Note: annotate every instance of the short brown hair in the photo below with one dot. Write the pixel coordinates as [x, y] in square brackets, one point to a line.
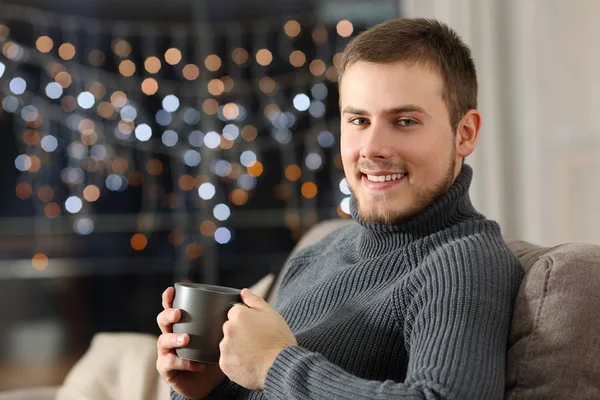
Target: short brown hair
[425, 41]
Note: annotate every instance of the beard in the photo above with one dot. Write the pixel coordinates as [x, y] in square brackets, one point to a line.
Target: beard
[422, 196]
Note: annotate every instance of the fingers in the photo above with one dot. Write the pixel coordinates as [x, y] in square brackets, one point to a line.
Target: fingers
[169, 341]
[168, 363]
[252, 300]
[167, 318]
[167, 297]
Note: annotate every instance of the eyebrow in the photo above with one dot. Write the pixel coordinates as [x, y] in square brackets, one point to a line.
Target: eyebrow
[393, 110]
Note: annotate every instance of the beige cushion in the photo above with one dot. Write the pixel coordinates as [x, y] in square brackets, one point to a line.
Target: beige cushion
[554, 344]
[41, 393]
[116, 366]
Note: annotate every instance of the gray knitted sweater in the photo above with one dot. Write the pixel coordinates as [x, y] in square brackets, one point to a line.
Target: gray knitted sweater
[419, 310]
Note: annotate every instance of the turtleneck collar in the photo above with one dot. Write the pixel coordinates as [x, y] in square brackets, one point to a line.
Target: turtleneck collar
[449, 209]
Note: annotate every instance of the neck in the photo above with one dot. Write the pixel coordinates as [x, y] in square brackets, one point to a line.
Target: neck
[451, 208]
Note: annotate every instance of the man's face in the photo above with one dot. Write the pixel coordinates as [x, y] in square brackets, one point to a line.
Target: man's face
[398, 148]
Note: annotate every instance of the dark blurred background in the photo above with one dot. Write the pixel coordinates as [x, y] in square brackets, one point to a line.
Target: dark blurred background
[149, 142]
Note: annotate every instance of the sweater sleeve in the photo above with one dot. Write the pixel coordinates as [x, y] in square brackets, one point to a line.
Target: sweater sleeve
[456, 320]
[225, 390]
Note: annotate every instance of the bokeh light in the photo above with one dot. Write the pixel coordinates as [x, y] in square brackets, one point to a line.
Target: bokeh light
[170, 103]
[17, 85]
[221, 212]
[173, 56]
[293, 172]
[40, 261]
[143, 132]
[91, 193]
[121, 48]
[255, 169]
[73, 204]
[326, 139]
[127, 68]
[222, 235]
[317, 67]
[240, 56]
[83, 226]
[191, 72]
[152, 64]
[301, 102]
[292, 28]
[212, 62]
[44, 44]
[344, 28]
[23, 190]
[297, 58]
[169, 138]
[66, 51]
[309, 190]
[206, 191]
[149, 86]
[264, 57]
[139, 241]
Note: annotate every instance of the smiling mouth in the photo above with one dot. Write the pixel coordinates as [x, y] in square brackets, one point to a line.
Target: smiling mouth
[384, 178]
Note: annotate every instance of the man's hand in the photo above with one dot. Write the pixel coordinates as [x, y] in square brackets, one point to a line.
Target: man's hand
[188, 378]
[253, 337]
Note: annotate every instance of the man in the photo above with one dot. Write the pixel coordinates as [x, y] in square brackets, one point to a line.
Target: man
[415, 299]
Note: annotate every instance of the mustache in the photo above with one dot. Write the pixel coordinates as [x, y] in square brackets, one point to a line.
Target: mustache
[382, 165]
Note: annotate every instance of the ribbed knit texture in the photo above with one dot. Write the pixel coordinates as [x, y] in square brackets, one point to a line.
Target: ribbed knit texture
[419, 310]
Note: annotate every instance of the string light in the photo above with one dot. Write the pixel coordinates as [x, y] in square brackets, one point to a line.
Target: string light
[309, 190]
[193, 250]
[292, 28]
[210, 106]
[216, 87]
[91, 193]
[255, 169]
[173, 56]
[12, 51]
[186, 182]
[249, 133]
[191, 72]
[44, 44]
[267, 85]
[240, 56]
[297, 58]
[139, 241]
[320, 35]
[66, 51]
[149, 86]
[293, 172]
[96, 58]
[116, 118]
[121, 48]
[212, 62]
[127, 68]
[40, 261]
[23, 191]
[317, 67]
[208, 228]
[344, 28]
[264, 57]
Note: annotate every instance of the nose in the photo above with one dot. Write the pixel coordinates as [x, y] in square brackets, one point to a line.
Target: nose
[377, 143]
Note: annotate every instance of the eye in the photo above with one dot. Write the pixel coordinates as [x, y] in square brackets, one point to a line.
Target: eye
[359, 121]
[406, 122]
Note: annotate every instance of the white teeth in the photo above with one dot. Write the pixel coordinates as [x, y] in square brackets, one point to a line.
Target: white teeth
[384, 178]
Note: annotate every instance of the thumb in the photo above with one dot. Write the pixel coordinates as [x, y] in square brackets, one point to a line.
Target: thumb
[252, 300]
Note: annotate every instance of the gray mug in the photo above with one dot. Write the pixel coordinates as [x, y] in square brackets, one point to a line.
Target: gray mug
[204, 310]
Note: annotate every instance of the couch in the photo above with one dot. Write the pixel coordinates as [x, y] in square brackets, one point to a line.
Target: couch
[553, 346]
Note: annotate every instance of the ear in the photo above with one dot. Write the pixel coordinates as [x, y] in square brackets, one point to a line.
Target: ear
[467, 133]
